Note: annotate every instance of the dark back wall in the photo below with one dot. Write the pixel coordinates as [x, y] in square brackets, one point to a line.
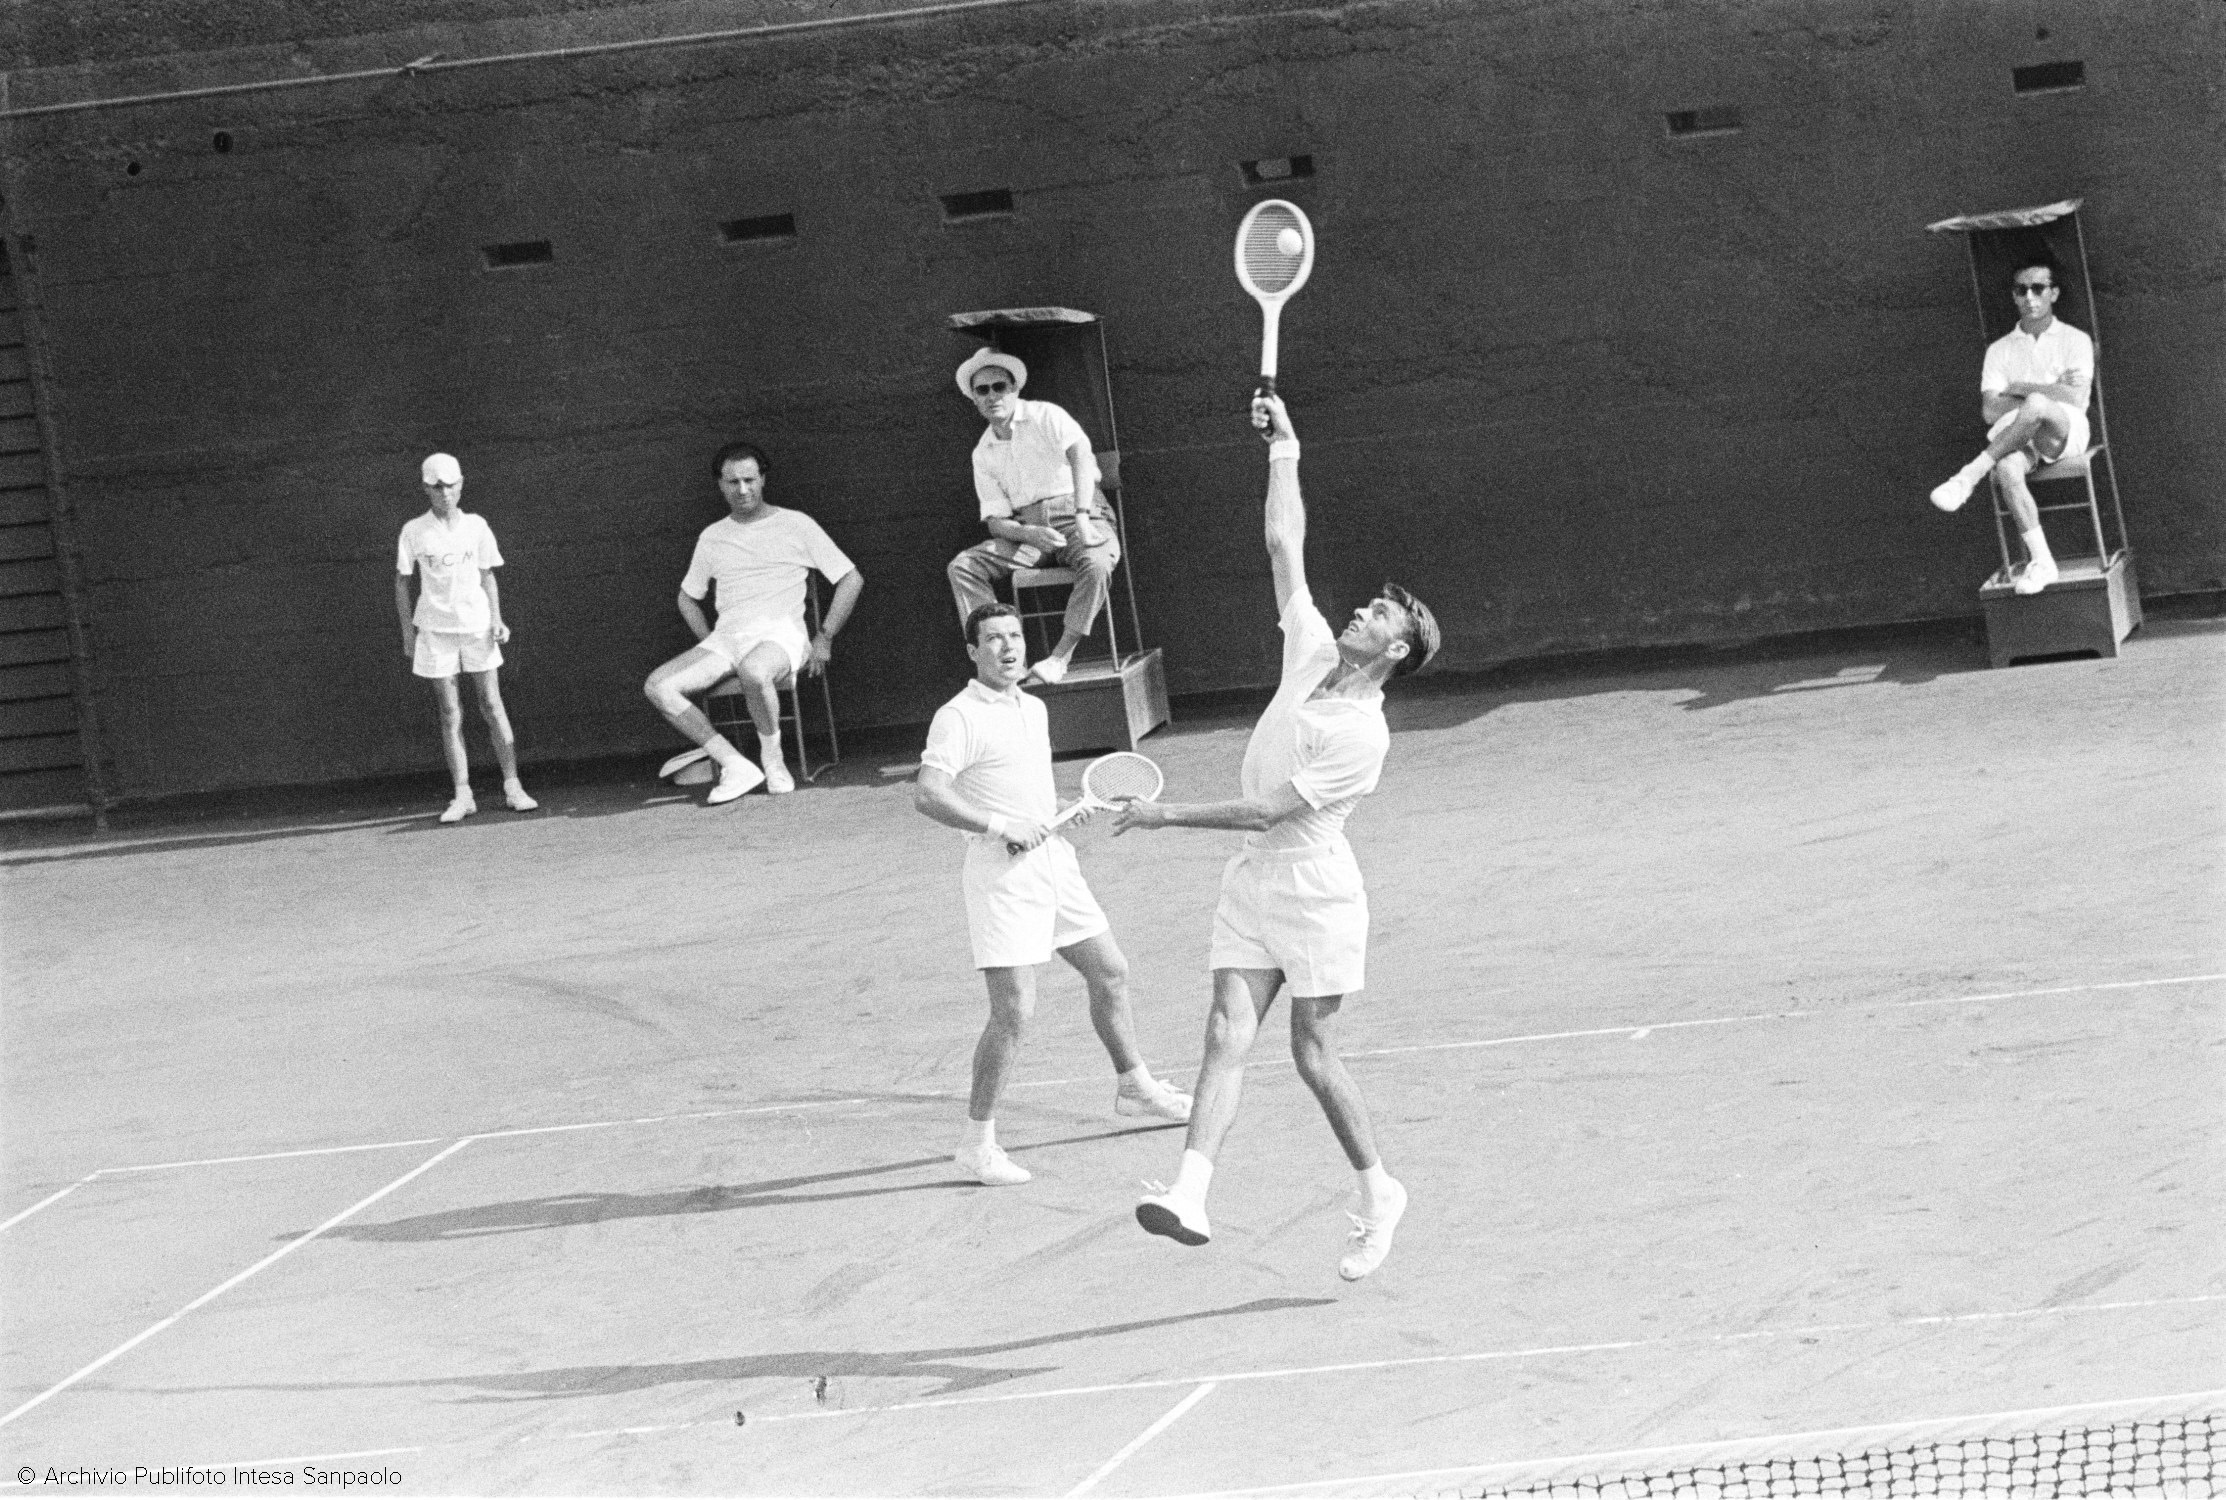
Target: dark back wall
[1579, 381]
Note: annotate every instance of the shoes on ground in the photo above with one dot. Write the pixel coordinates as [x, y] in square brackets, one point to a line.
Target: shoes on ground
[1163, 1213]
[2034, 577]
[515, 796]
[460, 808]
[777, 779]
[734, 780]
[1155, 1100]
[1371, 1238]
[990, 1166]
[682, 761]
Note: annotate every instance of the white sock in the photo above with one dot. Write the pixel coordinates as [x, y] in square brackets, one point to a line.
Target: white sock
[1976, 469]
[722, 750]
[980, 1134]
[1375, 1189]
[2036, 546]
[512, 784]
[1192, 1176]
[1137, 1078]
[463, 789]
[769, 745]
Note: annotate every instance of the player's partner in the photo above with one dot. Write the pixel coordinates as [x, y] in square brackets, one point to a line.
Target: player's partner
[456, 625]
[1293, 911]
[2034, 387]
[987, 773]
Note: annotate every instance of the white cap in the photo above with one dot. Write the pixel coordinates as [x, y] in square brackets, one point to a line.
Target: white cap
[440, 468]
[986, 356]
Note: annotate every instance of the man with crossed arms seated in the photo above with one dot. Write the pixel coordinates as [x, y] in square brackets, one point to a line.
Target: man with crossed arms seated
[1037, 481]
[2034, 388]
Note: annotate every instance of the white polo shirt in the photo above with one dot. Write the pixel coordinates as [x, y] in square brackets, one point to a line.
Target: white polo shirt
[1031, 465]
[2043, 359]
[447, 557]
[760, 566]
[996, 748]
[1331, 749]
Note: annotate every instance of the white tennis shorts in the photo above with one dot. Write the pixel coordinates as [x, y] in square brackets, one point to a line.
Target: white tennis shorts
[440, 653]
[1022, 908]
[1303, 911]
[730, 643]
[2074, 445]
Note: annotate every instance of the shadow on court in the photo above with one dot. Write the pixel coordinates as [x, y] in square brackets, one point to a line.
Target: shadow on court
[814, 1365]
[570, 1210]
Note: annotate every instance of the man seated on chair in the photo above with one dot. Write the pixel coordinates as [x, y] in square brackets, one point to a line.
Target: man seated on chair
[2033, 389]
[759, 557]
[1037, 481]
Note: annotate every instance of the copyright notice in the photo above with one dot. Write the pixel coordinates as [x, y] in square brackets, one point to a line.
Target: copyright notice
[306, 1476]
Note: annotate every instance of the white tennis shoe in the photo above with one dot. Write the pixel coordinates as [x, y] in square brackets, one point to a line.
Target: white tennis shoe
[1371, 1238]
[1154, 1100]
[1051, 669]
[1951, 495]
[462, 807]
[733, 782]
[2035, 576]
[1163, 1213]
[777, 779]
[990, 1166]
[514, 795]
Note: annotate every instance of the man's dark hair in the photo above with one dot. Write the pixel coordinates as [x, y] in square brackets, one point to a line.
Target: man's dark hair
[1422, 635]
[733, 451]
[2039, 260]
[990, 611]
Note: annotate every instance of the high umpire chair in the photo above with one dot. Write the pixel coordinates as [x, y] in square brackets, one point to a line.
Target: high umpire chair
[2095, 602]
[1108, 701]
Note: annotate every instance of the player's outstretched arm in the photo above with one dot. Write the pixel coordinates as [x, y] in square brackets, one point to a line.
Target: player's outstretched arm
[1286, 511]
[1246, 815]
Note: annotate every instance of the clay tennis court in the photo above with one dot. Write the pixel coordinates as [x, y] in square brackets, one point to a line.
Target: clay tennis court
[1772, 1045]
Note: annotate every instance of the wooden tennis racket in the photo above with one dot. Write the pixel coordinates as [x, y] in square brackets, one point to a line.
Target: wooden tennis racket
[1275, 255]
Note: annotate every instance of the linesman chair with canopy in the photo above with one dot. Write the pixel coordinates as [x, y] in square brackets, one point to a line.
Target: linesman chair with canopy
[2096, 601]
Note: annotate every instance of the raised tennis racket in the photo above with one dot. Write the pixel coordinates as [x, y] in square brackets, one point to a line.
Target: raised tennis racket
[1110, 780]
[1275, 254]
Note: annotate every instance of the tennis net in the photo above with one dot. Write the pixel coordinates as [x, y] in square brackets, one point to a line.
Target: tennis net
[2173, 1457]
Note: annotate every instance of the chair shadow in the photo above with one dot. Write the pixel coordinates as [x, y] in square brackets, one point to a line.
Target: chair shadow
[814, 1365]
[570, 1210]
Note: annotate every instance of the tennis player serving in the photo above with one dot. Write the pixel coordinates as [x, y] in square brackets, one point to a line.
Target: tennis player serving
[1293, 912]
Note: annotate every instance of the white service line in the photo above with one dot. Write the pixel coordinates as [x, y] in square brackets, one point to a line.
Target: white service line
[1627, 1461]
[1167, 1419]
[1634, 1032]
[219, 1290]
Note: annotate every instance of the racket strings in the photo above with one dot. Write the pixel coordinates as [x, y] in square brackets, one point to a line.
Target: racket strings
[1266, 265]
[1122, 775]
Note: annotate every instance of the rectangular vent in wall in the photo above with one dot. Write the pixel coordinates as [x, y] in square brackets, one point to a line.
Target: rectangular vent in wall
[1717, 119]
[1276, 169]
[766, 227]
[518, 253]
[2048, 78]
[987, 204]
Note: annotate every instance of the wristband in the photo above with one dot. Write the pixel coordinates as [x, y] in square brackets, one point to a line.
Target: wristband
[1283, 448]
[999, 828]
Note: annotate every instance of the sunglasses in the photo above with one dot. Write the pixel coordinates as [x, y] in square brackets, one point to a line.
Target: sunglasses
[993, 388]
[2031, 288]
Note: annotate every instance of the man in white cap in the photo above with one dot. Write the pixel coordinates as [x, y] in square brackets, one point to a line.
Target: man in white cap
[2034, 387]
[457, 625]
[1037, 481]
[987, 773]
[758, 559]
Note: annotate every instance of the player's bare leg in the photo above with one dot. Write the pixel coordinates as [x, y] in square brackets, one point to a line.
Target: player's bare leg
[1382, 1198]
[1012, 1001]
[1104, 970]
[670, 690]
[461, 805]
[764, 668]
[1241, 998]
[506, 744]
[2040, 565]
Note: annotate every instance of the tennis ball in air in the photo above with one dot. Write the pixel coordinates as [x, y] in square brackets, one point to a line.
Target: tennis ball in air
[1290, 242]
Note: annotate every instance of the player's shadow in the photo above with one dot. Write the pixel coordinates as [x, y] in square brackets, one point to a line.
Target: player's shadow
[574, 1381]
[570, 1210]
[1711, 676]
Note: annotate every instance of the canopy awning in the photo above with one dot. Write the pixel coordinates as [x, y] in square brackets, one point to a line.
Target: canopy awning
[1017, 317]
[2008, 218]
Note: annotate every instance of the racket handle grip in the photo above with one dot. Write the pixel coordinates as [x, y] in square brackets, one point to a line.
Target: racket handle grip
[1063, 818]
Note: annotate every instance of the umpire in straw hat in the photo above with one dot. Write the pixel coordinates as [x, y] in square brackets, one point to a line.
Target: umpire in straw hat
[1037, 481]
